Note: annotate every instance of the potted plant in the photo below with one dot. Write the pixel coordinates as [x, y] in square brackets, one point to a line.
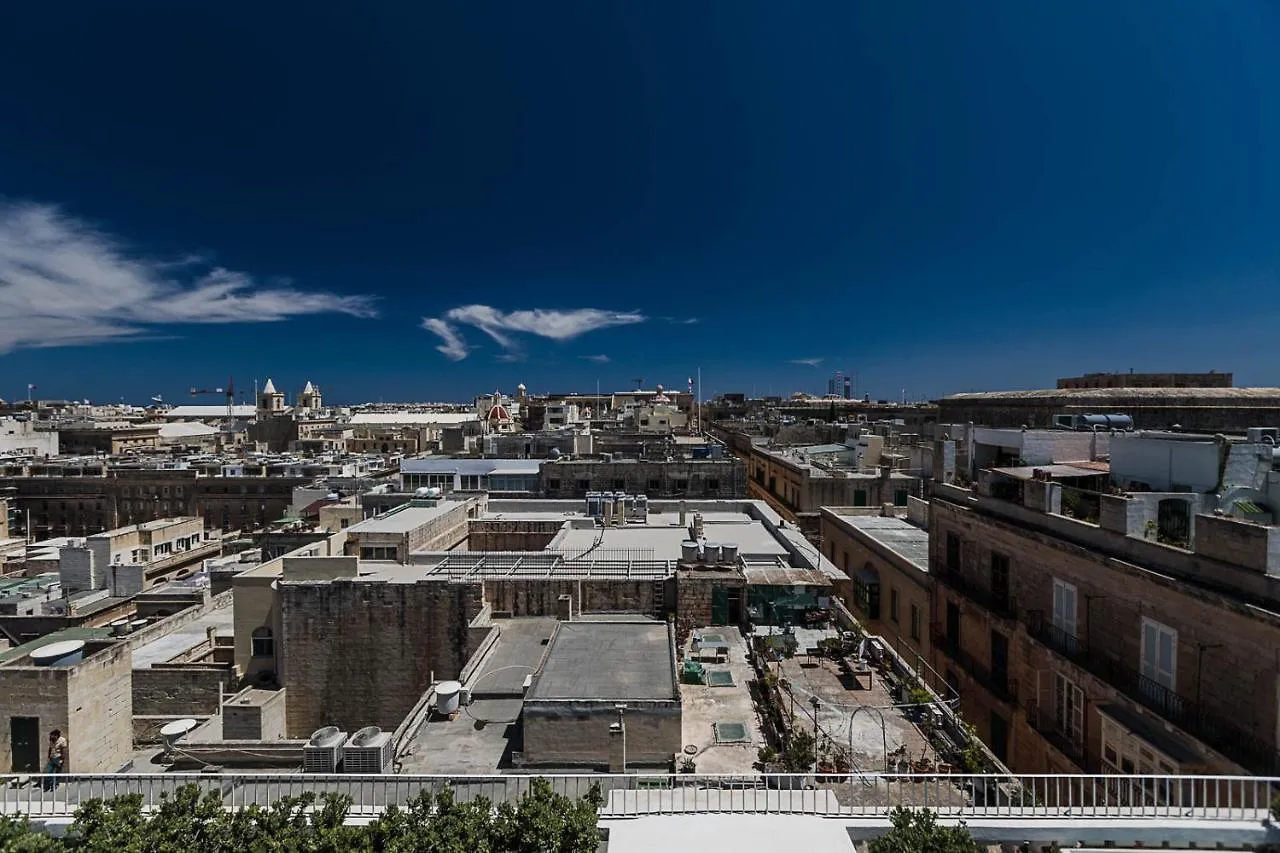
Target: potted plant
[688, 765]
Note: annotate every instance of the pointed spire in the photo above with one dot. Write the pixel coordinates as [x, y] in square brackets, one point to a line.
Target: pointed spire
[269, 388]
[309, 389]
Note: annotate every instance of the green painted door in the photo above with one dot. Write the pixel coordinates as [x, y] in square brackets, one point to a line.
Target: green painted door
[719, 605]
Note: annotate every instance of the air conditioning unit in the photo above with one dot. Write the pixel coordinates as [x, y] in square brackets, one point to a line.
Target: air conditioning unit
[369, 751]
[323, 752]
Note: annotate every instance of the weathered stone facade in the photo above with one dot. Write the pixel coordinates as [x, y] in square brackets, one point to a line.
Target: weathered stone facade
[182, 689]
[358, 653]
[681, 478]
[90, 702]
[1219, 696]
[487, 534]
[568, 733]
[538, 596]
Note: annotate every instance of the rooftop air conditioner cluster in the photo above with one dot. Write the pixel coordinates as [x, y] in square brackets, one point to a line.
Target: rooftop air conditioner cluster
[369, 751]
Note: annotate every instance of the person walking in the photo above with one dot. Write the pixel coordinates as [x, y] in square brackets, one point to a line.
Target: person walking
[57, 759]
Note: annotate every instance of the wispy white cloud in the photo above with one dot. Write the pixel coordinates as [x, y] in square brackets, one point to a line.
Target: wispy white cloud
[504, 326]
[598, 359]
[453, 346]
[681, 321]
[65, 283]
[808, 362]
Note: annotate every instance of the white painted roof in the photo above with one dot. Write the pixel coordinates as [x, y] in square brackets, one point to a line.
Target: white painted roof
[413, 418]
[214, 411]
[186, 430]
[270, 387]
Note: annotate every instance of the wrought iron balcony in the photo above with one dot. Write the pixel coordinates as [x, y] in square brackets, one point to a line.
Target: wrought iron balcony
[1219, 733]
[999, 603]
[996, 682]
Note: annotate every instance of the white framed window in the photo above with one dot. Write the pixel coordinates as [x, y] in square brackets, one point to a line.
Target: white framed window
[1068, 709]
[1159, 653]
[1064, 611]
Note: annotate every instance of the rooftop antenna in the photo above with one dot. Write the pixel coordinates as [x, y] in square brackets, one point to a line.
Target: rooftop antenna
[639, 383]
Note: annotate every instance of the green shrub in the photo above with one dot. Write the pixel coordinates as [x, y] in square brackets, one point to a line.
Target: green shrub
[918, 831]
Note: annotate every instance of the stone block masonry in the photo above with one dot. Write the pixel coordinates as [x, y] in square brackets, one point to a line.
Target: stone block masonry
[357, 653]
[181, 690]
[539, 596]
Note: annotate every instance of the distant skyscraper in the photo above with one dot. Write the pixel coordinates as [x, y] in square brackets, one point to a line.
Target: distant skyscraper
[831, 385]
[848, 388]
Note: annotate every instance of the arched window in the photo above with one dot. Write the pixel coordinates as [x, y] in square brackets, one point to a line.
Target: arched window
[1173, 522]
[264, 645]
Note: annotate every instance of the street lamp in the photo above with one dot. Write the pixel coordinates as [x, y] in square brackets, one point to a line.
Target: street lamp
[817, 733]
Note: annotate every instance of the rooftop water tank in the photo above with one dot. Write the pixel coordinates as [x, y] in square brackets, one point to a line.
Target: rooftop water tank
[689, 551]
[447, 697]
[711, 552]
[64, 653]
[120, 627]
[729, 553]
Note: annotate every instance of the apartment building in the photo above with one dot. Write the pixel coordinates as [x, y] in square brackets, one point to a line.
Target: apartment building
[886, 558]
[1117, 620]
[136, 557]
[82, 497]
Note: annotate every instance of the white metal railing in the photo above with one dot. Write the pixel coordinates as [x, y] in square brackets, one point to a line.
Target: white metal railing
[1159, 798]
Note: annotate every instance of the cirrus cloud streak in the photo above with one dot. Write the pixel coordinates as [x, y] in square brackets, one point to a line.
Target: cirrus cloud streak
[65, 283]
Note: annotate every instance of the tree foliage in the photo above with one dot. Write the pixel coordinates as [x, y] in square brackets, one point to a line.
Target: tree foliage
[918, 831]
[187, 821]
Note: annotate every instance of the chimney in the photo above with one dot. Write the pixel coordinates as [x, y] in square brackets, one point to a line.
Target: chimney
[684, 521]
[212, 633]
[564, 608]
[886, 510]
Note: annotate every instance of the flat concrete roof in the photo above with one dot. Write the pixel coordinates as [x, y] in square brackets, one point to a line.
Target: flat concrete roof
[170, 645]
[607, 661]
[906, 540]
[403, 519]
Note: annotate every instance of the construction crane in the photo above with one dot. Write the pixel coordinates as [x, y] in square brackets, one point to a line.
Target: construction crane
[639, 383]
[229, 391]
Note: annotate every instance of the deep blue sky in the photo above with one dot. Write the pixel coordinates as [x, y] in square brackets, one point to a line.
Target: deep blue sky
[939, 196]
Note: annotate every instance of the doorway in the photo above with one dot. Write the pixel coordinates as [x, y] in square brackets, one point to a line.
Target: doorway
[24, 744]
[953, 625]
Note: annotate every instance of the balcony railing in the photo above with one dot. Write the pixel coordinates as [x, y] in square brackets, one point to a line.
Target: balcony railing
[1155, 800]
[994, 681]
[999, 603]
[1248, 750]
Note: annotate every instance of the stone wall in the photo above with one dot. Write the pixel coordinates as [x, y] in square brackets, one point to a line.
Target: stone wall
[497, 535]
[538, 597]
[701, 478]
[695, 591]
[357, 653]
[89, 703]
[1242, 543]
[181, 689]
[567, 733]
